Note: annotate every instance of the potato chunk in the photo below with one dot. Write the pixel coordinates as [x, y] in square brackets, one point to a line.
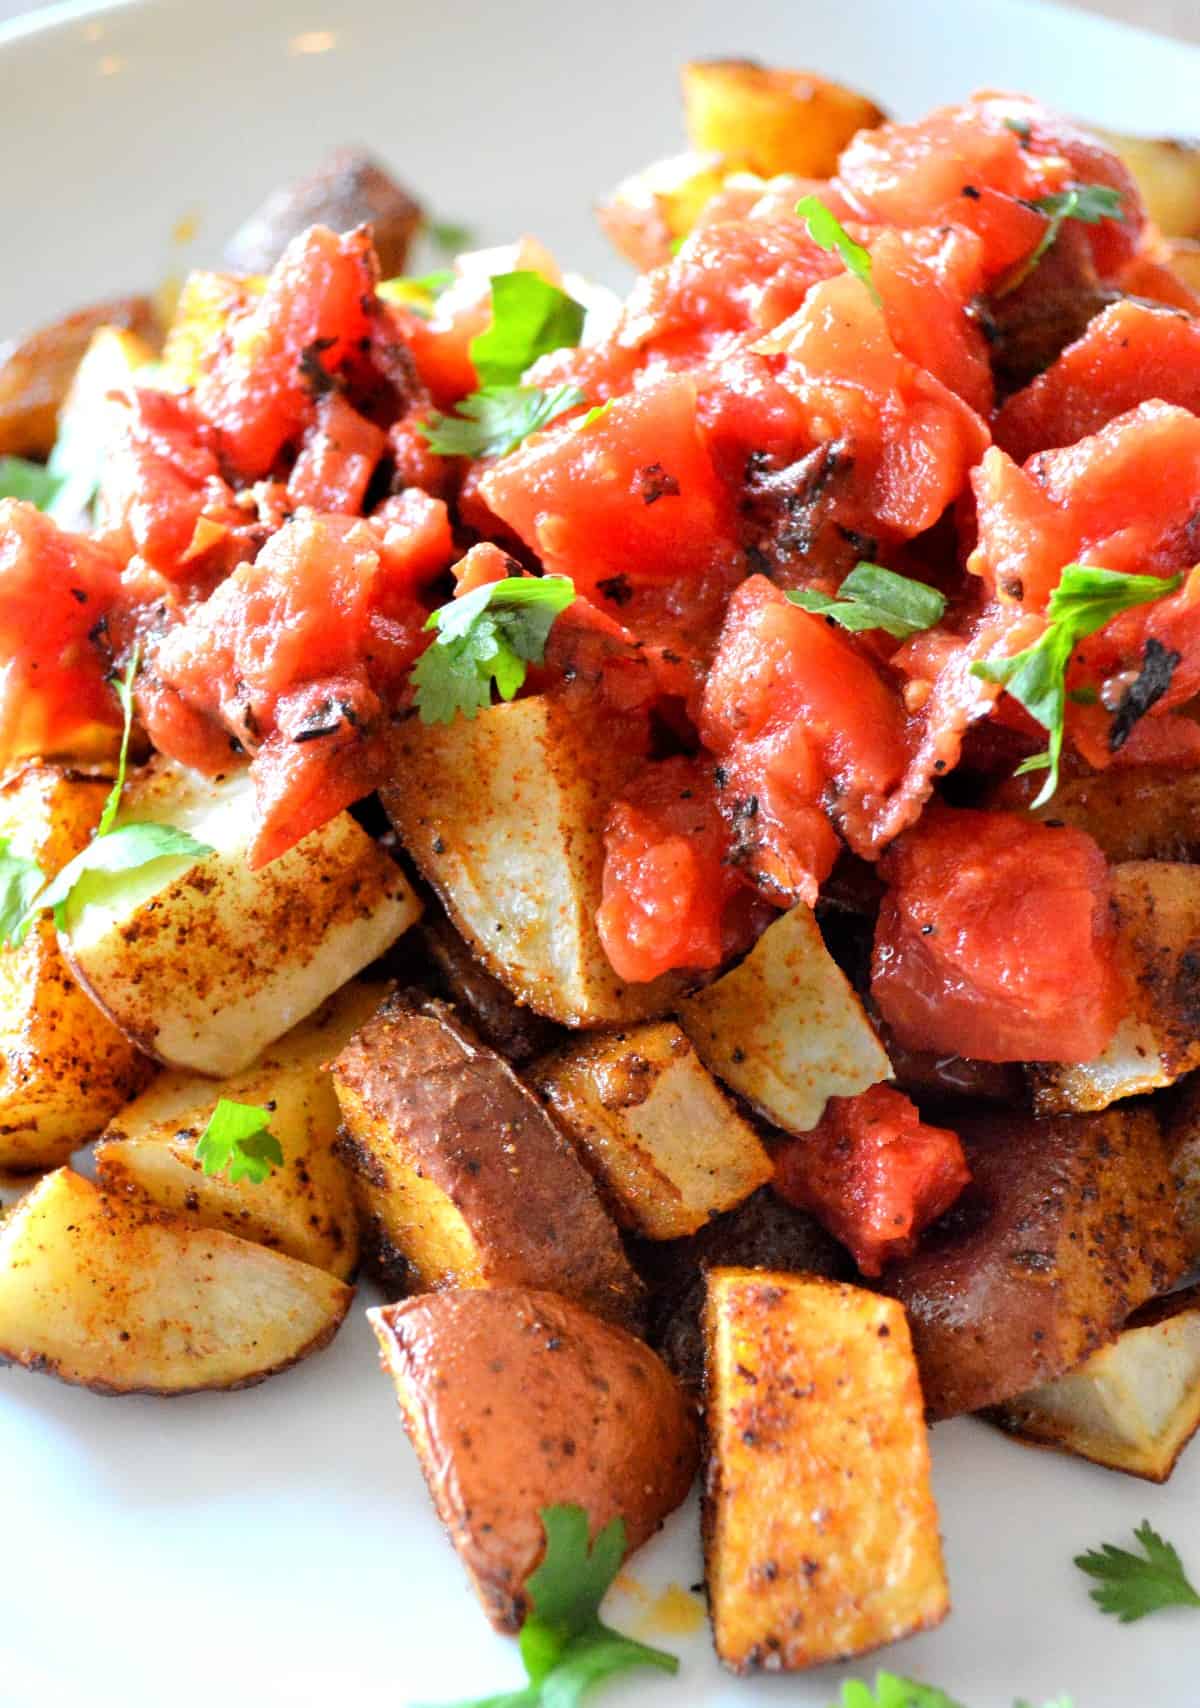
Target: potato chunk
[649, 213]
[304, 1208]
[65, 1067]
[1134, 1405]
[203, 962]
[772, 120]
[1167, 172]
[124, 1299]
[1157, 908]
[1181, 1126]
[1145, 812]
[504, 815]
[462, 1176]
[36, 372]
[514, 1031]
[1068, 1225]
[785, 1028]
[821, 1533]
[654, 1128]
[516, 1401]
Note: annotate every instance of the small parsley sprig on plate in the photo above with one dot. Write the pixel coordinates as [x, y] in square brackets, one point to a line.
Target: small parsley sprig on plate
[489, 636]
[1129, 1585]
[894, 1692]
[828, 232]
[872, 597]
[237, 1141]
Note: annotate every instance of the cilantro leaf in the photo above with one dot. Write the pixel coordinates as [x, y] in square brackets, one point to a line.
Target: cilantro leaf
[32, 482]
[1085, 600]
[123, 686]
[237, 1141]
[1129, 1585]
[595, 412]
[489, 635]
[1088, 203]
[450, 235]
[418, 292]
[828, 232]
[530, 317]
[894, 1692]
[20, 881]
[493, 422]
[872, 597]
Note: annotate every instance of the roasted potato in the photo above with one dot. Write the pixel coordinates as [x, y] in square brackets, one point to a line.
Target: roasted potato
[1134, 1405]
[36, 372]
[516, 1401]
[126, 1299]
[504, 815]
[461, 1174]
[650, 213]
[90, 416]
[66, 1068]
[771, 120]
[348, 189]
[1068, 1225]
[653, 1127]
[1157, 909]
[1183, 257]
[1147, 812]
[203, 962]
[820, 1530]
[205, 303]
[515, 1032]
[1181, 1127]
[785, 1028]
[305, 1207]
[1167, 172]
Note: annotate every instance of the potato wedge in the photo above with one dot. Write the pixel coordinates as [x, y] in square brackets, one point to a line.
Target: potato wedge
[304, 1208]
[1068, 1225]
[36, 372]
[516, 1401]
[1167, 172]
[124, 1299]
[820, 1530]
[772, 120]
[1181, 1128]
[785, 1028]
[1183, 257]
[653, 1127]
[205, 304]
[504, 815]
[1147, 812]
[91, 414]
[463, 1178]
[652, 211]
[1157, 908]
[65, 1067]
[203, 962]
[347, 189]
[1134, 1405]
[514, 1031]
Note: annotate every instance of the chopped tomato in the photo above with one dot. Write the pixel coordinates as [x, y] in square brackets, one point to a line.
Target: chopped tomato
[994, 940]
[873, 1173]
[927, 280]
[337, 458]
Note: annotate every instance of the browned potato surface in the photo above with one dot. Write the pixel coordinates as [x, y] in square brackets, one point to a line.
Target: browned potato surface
[125, 1299]
[770, 119]
[821, 1533]
[652, 211]
[1148, 812]
[516, 1032]
[1181, 1126]
[516, 1401]
[461, 1174]
[348, 189]
[1167, 171]
[1068, 1225]
[36, 371]
[1183, 255]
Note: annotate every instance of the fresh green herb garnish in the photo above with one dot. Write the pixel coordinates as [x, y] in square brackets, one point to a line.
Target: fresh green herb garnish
[872, 597]
[490, 635]
[1129, 1586]
[594, 413]
[494, 421]
[32, 482]
[565, 1645]
[237, 1141]
[530, 318]
[1088, 203]
[828, 232]
[418, 293]
[1020, 127]
[1084, 601]
[450, 235]
[894, 1692]
[20, 881]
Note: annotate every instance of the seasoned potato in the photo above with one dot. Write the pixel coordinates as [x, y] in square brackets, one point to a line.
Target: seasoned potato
[91, 414]
[1183, 256]
[653, 1127]
[1134, 1405]
[205, 303]
[66, 1068]
[203, 962]
[1181, 1126]
[1167, 171]
[516, 1401]
[784, 1028]
[126, 1299]
[516, 1032]
[304, 1208]
[772, 120]
[649, 213]
[820, 1530]
[1157, 908]
[348, 189]
[461, 1173]
[1148, 812]
[36, 372]
[504, 815]
[1068, 1225]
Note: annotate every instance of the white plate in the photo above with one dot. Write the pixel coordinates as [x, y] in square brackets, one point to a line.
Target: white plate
[276, 1546]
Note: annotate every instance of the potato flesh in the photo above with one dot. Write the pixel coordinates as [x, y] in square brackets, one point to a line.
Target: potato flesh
[821, 1533]
[772, 120]
[206, 302]
[785, 1029]
[1167, 172]
[124, 1299]
[1145, 812]
[203, 962]
[36, 372]
[649, 213]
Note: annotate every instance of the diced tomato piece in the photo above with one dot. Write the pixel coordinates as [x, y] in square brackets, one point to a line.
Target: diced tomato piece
[926, 280]
[337, 458]
[1024, 538]
[994, 940]
[873, 1173]
[1157, 281]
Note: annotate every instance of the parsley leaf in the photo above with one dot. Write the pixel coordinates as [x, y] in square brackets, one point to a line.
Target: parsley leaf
[237, 1141]
[494, 421]
[32, 482]
[828, 232]
[595, 412]
[894, 1692]
[1085, 600]
[1130, 1586]
[872, 597]
[530, 317]
[488, 635]
[20, 881]
[419, 292]
[1088, 203]
[565, 1646]
[450, 235]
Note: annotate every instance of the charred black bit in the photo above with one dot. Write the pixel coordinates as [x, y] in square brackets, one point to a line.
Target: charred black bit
[316, 376]
[1146, 690]
[720, 776]
[747, 808]
[971, 193]
[326, 719]
[79, 594]
[616, 588]
[785, 512]
[866, 545]
[653, 482]
[1013, 587]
